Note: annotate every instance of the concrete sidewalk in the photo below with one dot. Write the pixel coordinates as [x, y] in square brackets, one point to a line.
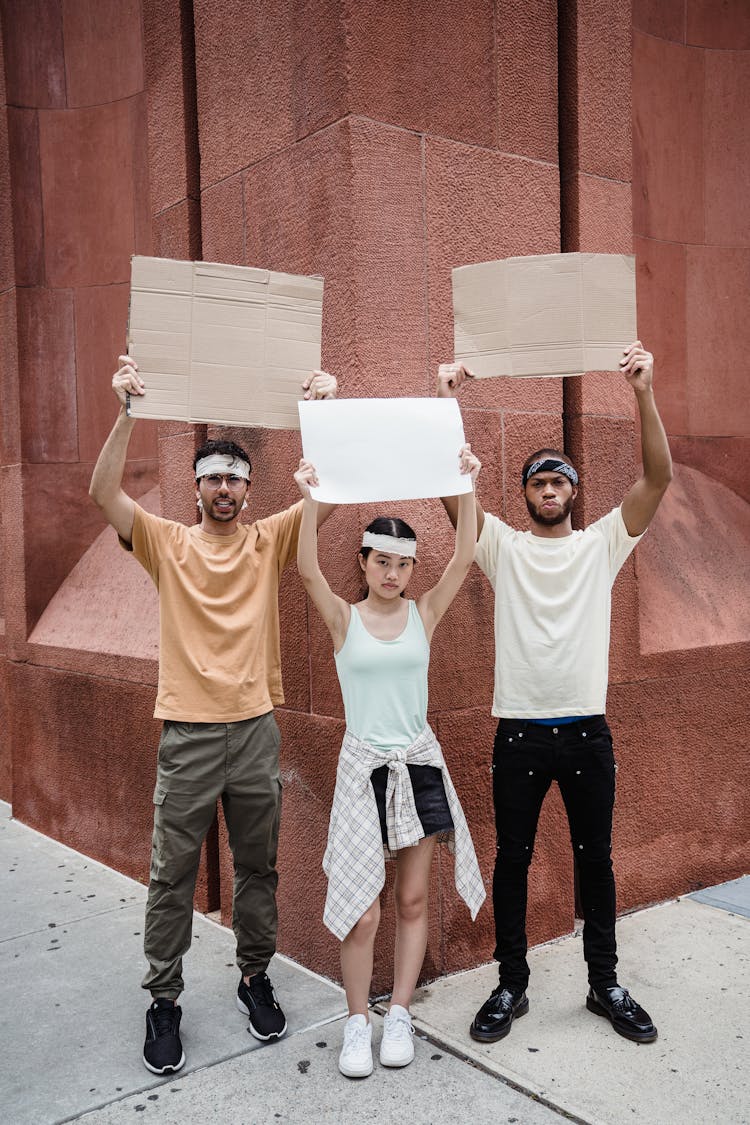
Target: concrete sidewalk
[72, 1021]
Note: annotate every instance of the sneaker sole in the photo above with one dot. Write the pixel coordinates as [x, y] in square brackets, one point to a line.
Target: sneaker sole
[165, 1069]
[397, 1062]
[489, 1037]
[256, 1034]
[352, 1073]
[633, 1036]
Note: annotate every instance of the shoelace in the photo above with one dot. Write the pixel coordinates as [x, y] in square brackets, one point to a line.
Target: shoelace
[399, 1027]
[356, 1037]
[261, 990]
[164, 1020]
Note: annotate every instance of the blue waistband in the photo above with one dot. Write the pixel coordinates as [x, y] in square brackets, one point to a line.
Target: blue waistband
[557, 722]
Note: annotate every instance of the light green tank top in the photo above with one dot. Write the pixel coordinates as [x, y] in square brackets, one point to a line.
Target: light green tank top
[384, 683]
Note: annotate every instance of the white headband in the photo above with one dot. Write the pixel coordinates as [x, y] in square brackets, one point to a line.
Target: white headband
[222, 463]
[390, 545]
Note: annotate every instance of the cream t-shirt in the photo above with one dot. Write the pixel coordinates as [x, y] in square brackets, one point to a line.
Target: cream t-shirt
[552, 615]
[219, 645]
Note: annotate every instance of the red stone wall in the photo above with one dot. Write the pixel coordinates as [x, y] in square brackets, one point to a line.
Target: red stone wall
[358, 141]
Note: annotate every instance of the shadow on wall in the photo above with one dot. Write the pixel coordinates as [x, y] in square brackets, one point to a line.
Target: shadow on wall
[108, 602]
[694, 567]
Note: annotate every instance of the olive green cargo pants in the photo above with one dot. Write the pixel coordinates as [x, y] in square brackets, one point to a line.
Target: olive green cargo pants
[197, 764]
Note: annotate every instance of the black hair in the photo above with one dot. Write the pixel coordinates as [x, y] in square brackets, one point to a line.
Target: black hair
[387, 525]
[543, 455]
[230, 448]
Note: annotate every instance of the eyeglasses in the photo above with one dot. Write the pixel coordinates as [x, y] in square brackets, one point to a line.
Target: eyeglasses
[214, 480]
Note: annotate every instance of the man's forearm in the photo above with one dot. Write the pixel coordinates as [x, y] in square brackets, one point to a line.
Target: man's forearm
[657, 460]
[106, 480]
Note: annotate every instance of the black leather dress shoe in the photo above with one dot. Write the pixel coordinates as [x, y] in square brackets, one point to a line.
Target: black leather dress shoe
[494, 1019]
[627, 1017]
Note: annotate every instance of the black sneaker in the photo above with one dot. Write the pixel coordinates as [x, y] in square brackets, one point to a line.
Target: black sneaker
[162, 1051]
[258, 1001]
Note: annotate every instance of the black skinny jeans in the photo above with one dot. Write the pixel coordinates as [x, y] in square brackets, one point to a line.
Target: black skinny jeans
[527, 758]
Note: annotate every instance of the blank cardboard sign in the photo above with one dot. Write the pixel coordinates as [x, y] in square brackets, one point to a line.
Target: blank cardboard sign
[546, 314]
[221, 343]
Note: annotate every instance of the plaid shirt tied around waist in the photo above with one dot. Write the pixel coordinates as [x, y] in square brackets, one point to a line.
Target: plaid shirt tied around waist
[354, 859]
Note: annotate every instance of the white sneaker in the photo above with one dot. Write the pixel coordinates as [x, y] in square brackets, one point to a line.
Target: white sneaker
[396, 1046]
[355, 1060]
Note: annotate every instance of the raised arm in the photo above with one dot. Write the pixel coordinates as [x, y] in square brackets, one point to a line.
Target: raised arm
[641, 502]
[321, 384]
[433, 604]
[106, 481]
[333, 609]
[450, 377]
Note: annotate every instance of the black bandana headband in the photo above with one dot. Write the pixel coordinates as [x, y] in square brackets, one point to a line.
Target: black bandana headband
[550, 467]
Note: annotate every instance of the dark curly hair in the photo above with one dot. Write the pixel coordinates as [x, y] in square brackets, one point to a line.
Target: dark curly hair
[230, 448]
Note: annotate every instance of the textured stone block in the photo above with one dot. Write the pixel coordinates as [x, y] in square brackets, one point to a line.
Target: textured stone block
[404, 67]
[169, 63]
[726, 146]
[298, 218]
[7, 266]
[26, 203]
[34, 52]
[595, 92]
[84, 763]
[244, 84]
[526, 38]
[696, 838]
[725, 26]
[176, 232]
[668, 84]
[479, 206]
[101, 314]
[605, 216]
[661, 291]
[223, 222]
[87, 158]
[718, 278]
[103, 50]
[390, 310]
[664, 18]
[10, 416]
[692, 567]
[46, 343]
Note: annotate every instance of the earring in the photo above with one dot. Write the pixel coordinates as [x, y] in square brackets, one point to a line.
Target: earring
[199, 502]
[244, 505]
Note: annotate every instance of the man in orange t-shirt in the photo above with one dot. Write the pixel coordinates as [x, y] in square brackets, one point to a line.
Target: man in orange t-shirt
[219, 680]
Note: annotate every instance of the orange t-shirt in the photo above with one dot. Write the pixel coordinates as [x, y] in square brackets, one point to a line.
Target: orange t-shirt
[219, 646]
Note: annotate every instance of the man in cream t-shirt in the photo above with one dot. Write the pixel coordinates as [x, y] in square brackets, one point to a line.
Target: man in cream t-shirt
[219, 680]
[552, 623]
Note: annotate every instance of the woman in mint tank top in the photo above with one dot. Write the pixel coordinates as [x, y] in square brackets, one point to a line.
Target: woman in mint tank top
[394, 796]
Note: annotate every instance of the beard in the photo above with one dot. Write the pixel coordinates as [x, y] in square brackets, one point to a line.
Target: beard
[221, 515]
[551, 520]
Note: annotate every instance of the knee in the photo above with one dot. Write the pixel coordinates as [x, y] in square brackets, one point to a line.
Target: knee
[411, 903]
[366, 927]
[594, 858]
[513, 854]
